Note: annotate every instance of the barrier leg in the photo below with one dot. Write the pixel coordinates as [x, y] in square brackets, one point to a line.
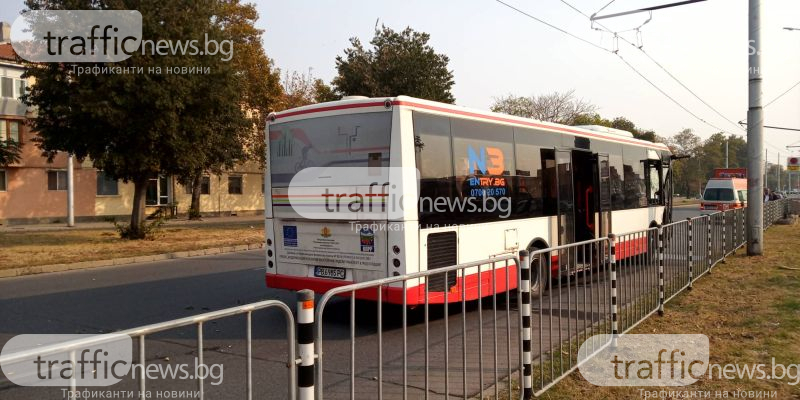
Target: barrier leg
[527, 357]
[709, 245]
[660, 270]
[305, 344]
[613, 265]
[691, 253]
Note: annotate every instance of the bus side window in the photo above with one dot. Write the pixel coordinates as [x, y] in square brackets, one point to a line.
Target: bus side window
[549, 182]
[434, 162]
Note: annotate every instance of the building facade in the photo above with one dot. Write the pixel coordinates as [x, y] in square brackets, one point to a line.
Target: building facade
[34, 190]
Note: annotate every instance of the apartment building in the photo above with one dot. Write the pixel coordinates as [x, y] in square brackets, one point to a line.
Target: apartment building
[34, 190]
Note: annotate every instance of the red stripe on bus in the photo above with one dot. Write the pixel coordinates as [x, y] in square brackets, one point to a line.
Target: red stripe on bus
[415, 295]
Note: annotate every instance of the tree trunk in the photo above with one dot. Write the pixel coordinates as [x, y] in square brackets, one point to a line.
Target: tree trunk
[194, 208]
[137, 212]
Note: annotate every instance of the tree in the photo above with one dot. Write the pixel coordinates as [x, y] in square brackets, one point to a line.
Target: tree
[303, 89]
[230, 112]
[260, 87]
[591, 119]
[135, 126]
[562, 108]
[687, 174]
[9, 152]
[400, 63]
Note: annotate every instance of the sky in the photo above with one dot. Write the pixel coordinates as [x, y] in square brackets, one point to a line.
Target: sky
[496, 51]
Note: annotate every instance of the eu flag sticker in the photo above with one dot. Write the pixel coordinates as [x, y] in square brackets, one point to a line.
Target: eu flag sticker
[290, 236]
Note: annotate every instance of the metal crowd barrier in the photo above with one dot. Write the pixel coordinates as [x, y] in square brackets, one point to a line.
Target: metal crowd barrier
[198, 322]
[445, 349]
[610, 285]
[473, 329]
[574, 305]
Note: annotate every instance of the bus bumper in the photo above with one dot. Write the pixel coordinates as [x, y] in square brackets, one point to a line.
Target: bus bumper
[415, 295]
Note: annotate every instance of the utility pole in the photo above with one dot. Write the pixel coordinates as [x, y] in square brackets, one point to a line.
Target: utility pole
[779, 170]
[70, 192]
[755, 136]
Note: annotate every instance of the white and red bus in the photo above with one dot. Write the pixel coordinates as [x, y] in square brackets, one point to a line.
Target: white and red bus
[549, 185]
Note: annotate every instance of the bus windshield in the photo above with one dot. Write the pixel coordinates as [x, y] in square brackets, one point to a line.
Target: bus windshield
[351, 140]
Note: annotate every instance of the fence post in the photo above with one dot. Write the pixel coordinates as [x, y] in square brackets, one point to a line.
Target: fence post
[743, 227]
[660, 270]
[305, 344]
[724, 237]
[612, 239]
[734, 236]
[691, 253]
[527, 357]
[708, 245]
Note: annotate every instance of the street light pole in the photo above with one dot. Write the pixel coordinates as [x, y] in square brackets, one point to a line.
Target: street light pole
[755, 137]
[70, 192]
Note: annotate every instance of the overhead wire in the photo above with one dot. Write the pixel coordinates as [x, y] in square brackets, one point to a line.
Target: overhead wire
[782, 94]
[664, 93]
[553, 26]
[660, 66]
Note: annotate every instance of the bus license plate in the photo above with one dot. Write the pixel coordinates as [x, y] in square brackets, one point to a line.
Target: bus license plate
[330, 272]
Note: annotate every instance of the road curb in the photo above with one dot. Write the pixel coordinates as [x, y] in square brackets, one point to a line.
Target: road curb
[43, 269]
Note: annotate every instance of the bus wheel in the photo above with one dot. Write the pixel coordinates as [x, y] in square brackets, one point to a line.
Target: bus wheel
[540, 277]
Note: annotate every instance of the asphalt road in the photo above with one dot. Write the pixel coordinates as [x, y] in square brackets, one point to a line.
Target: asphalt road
[683, 212]
[109, 299]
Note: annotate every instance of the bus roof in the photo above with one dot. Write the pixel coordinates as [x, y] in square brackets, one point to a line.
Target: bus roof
[432, 106]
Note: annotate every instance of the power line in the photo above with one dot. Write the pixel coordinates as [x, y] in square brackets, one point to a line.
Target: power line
[667, 95]
[552, 26]
[618, 55]
[604, 7]
[653, 8]
[782, 94]
[657, 64]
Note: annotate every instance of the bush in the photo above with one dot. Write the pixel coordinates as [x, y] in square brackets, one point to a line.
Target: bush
[147, 230]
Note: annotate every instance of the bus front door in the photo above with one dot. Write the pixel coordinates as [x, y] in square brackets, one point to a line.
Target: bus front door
[565, 196]
[603, 175]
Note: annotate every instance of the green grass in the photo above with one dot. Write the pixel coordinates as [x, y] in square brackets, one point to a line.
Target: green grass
[750, 310]
[23, 249]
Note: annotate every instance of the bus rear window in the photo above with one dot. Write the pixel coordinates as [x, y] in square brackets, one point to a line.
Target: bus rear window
[718, 194]
[351, 140]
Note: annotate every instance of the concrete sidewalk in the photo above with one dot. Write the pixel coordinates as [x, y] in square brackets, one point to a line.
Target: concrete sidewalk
[183, 221]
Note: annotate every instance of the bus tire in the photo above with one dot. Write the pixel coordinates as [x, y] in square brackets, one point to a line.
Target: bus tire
[652, 244]
[539, 284]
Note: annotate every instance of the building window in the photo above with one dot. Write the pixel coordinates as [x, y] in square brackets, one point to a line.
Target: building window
[13, 131]
[105, 185]
[234, 185]
[21, 86]
[9, 130]
[157, 192]
[7, 87]
[12, 88]
[3, 180]
[205, 186]
[56, 180]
